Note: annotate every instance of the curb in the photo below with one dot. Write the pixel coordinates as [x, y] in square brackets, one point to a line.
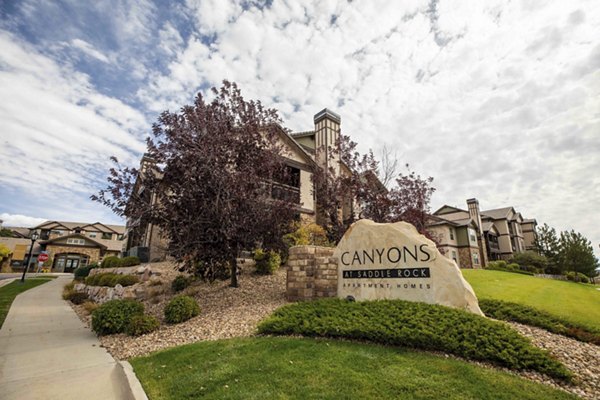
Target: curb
[4, 282]
[135, 392]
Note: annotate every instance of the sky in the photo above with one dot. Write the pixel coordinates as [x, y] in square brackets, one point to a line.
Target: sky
[497, 99]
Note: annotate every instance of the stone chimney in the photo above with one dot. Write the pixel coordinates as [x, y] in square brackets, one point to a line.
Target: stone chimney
[473, 206]
[327, 134]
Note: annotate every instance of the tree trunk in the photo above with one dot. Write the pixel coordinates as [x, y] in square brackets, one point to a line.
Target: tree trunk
[234, 269]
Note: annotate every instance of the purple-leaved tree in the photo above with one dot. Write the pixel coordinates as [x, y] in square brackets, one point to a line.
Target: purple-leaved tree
[210, 182]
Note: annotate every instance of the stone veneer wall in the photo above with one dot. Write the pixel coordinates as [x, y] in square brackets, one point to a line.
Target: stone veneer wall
[92, 252]
[311, 273]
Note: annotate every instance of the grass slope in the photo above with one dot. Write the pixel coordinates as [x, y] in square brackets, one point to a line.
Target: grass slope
[574, 302]
[10, 291]
[295, 368]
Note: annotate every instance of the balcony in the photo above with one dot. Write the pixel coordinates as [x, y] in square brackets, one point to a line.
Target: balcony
[279, 191]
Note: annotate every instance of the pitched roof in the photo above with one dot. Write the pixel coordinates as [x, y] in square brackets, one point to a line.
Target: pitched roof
[290, 140]
[98, 226]
[498, 213]
[446, 209]
[78, 235]
[303, 134]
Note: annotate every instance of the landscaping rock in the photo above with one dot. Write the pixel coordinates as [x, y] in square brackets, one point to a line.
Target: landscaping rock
[394, 261]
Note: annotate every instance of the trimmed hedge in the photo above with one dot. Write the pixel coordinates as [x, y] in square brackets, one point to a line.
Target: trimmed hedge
[508, 311]
[416, 325]
[180, 309]
[111, 280]
[141, 324]
[114, 316]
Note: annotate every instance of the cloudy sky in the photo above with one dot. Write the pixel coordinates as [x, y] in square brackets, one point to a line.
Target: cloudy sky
[496, 99]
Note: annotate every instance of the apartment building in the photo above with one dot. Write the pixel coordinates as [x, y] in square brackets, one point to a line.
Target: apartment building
[74, 244]
[500, 232]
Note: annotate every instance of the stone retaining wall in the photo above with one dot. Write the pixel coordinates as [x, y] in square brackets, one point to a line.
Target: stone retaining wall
[311, 273]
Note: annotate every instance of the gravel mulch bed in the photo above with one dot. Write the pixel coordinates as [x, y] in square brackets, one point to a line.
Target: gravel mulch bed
[583, 359]
[225, 313]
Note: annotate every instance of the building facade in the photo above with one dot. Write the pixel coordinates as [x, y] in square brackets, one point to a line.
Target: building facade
[499, 233]
[70, 245]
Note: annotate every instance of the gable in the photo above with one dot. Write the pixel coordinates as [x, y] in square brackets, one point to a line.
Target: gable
[76, 240]
[446, 209]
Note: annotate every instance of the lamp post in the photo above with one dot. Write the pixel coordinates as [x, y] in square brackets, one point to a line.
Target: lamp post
[34, 237]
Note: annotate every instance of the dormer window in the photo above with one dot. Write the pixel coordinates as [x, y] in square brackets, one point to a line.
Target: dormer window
[107, 236]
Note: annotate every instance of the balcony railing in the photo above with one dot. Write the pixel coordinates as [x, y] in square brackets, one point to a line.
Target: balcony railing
[287, 193]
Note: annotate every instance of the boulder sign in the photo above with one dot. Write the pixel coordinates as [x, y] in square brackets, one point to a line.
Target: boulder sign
[394, 261]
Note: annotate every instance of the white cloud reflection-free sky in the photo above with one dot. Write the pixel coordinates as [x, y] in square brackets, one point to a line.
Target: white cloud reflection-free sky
[498, 100]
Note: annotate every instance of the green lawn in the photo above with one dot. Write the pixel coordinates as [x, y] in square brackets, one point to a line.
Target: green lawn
[10, 291]
[575, 302]
[296, 368]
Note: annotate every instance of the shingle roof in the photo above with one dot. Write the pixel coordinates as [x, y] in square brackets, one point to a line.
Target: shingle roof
[303, 134]
[119, 229]
[497, 213]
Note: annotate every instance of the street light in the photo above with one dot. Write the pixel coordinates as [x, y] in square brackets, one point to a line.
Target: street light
[34, 237]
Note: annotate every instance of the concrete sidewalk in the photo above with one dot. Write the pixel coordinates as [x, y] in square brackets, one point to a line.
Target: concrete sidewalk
[47, 353]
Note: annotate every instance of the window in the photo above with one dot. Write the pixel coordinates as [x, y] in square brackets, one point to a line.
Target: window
[75, 241]
[475, 258]
[92, 234]
[120, 237]
[451, 233]
[472, 236]
[107, 236]
[57, 232]
[454, 256]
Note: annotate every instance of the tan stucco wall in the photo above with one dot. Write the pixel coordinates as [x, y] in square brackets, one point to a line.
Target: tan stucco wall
[306, 190]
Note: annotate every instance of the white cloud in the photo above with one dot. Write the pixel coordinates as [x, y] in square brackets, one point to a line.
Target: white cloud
[88, 49]
[17, 220]
[57, 128]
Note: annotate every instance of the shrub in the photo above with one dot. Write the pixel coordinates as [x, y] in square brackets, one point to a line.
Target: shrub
[571, 275]
[530, 261]
[90, 306]
[111, 280]
[583, 278]
[180, 282]
[267, 262]
[417, 325]
[82, 272]
[129, 261]
[141, 324]
[114, 316]
[127, 280]
[307, 234]
[181, 308]
[111, 262]
[501, 265]
[497, 264]
[508, 311]
[67, 290]
[107, 280]
[77, 297]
